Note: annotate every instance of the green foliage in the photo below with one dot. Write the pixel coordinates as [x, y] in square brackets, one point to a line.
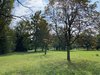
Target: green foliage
[5, 19]
[54, 63]
[22, 36]
[87, 39]
[40, 31]
[6, 40]
[3, 41]
[73, 16]
[10, 34]
[98, 42]
[59, 43]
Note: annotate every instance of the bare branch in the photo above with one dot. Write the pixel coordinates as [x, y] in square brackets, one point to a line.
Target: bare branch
[24, 6]
[11, 16]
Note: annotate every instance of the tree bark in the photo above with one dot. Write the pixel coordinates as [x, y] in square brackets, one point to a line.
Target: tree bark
[68, 53]
[42, 49]
[35, 49]
[45, 51]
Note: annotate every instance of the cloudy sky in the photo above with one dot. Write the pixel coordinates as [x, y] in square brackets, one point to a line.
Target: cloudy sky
[35, 5]
[19, 10]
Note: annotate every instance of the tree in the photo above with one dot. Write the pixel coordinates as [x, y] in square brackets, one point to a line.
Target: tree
[98, 42]
[22, 36]
[59, 44]
[5, 19]
[40, 31]
[44, 34]
[73, 16]
[35, 29]
[87, 39]
[10, 34]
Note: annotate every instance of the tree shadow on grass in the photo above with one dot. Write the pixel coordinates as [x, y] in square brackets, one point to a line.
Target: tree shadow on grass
[83, 67]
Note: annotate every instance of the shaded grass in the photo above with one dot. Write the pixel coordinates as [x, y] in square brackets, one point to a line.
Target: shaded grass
[54, 63]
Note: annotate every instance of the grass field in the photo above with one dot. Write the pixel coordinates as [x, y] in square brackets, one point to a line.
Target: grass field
[54, 63]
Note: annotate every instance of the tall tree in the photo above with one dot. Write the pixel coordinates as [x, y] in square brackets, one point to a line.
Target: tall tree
[73, 16]
[40, 31]
[5, 19]
[35, 32]
[44, 34]
[22, 36]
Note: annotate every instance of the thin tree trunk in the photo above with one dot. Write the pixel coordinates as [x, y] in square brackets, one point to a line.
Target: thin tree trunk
[35, 49]
[45, 51]
[42, 49]
[68, 54]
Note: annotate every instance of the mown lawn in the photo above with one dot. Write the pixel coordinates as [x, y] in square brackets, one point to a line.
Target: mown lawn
[54, 63]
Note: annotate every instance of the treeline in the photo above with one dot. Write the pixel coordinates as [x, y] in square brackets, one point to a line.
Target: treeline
[27, 35]
[36, 34]
[88, 40]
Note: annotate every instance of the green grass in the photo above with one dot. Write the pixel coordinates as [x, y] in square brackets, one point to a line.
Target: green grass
[54, 63]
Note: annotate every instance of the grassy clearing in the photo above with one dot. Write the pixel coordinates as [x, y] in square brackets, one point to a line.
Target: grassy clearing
[54, 63]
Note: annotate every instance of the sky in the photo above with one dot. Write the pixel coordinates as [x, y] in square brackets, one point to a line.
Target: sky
[35, 5]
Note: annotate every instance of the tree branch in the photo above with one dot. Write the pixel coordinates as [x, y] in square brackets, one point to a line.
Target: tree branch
[24, 6]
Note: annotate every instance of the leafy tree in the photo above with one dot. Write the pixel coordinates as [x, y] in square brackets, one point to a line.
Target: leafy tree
[44, 34]
[73, 16]
[98, 42]
[40, 31]
[10, 33]
[87, 39]
[5, 19]
[22, 36]
[35, 32]
[59, 44]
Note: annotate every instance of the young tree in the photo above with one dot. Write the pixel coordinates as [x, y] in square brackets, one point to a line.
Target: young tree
[73, 15]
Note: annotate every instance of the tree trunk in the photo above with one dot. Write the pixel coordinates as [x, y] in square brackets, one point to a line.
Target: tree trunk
[45, 51]
[68, 53]
[35, 49]
[42, 49]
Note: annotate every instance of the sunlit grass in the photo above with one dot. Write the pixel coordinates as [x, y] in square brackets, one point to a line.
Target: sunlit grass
[54, 63]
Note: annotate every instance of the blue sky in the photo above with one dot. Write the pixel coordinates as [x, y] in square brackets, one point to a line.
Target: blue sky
[98, 4]
[35, 6]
